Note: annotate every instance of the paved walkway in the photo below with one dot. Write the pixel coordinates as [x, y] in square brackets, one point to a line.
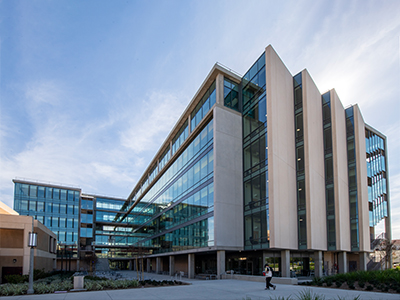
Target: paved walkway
[226, 289]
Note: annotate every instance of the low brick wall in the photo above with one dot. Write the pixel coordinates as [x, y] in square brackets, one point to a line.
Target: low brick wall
[278, 280]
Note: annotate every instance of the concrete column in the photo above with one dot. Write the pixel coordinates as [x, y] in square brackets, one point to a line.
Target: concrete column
[131, 265]
[265, 255]
[158, 265]
[171, 265]
[191, 271]
[318, 263]
[363, 260]
[219, 89]
[148, 265]
[134, 264]
[285, 261]
[342, 262]
[220, 263]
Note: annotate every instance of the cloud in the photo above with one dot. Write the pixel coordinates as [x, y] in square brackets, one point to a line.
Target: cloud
[44, 91]
[152, 122]
[105, 154]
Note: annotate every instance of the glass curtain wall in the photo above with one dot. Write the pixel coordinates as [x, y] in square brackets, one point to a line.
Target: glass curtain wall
[329, 190]
[56, 208]
[204, 105]
[108, 229]
[255, 157]
[376, 168]
[352, 171]
[86, 231]
[301, 187]
[177, 212]
[231, 94]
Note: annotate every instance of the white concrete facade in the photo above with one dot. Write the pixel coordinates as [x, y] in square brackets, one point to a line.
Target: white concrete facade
[340, 174]
[228, 178]
[362, 184]
[281, 154]
[314, 164]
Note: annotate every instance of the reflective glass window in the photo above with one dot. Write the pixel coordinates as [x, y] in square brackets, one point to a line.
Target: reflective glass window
[49, 193]
[56, 193]
[33, 191]
[40, 192]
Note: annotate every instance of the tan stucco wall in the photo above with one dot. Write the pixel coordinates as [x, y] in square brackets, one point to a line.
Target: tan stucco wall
[362, 183]
[228, 178]
[340, 173]
[20, 249]
[281, 154]
[314, 164]
[11, 238]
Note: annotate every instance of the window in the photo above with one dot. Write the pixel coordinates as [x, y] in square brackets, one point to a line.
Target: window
[33, 191]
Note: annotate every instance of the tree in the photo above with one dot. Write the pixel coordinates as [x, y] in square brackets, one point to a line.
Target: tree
[387, 248]
[91, 260]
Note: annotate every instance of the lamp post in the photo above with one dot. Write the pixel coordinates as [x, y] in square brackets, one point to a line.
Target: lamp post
[32, 242]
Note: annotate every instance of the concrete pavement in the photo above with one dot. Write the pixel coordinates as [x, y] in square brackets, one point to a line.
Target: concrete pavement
[226, 289]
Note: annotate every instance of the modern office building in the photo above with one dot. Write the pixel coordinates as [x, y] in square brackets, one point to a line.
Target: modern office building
[83, 223]
[258, 168]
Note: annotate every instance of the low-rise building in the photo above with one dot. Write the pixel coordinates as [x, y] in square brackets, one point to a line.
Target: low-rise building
[14, 249]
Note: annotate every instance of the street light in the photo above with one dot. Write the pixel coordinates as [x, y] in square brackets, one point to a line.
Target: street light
[32, 242]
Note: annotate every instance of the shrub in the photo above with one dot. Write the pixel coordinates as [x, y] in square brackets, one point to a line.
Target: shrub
[373, 281]
[369, 288]
[43, 288]
[9, 289]
[93, 285]
[328, 280]
[385, 288]
[39, 274]
[16, 278]
[317, 281]
[361, 284]
[338, 283]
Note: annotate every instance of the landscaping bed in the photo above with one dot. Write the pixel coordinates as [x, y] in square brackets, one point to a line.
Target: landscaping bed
[375, 281]
[63, 282]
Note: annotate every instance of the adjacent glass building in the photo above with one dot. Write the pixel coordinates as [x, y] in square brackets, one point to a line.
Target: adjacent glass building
[259, 168]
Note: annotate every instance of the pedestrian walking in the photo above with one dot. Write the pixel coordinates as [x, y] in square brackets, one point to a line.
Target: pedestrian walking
[268, 277]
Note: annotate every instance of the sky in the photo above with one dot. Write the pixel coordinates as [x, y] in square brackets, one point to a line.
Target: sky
[90, 89]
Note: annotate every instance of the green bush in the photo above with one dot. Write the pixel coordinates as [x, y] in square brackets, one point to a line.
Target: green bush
[94, 285]
[10, 289]
[390, 278]
[361, 284]
[317, 281]
[338, 283]
[39, 274]
[385, 288]
[369, 288]
[16, 278]
[97, 285]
